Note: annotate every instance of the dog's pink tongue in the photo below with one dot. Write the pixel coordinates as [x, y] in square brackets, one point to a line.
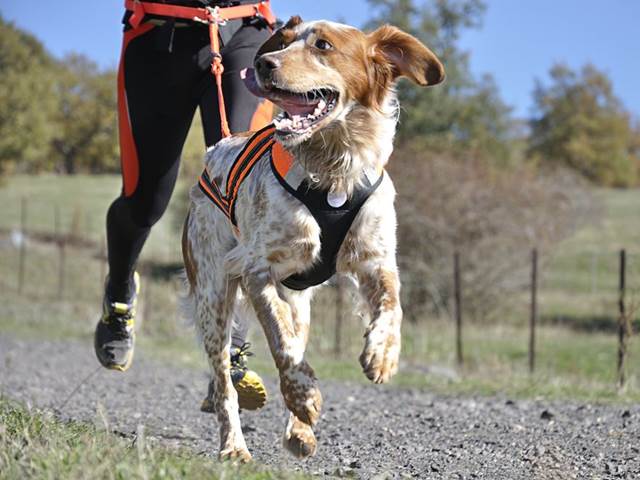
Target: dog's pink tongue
[292, 104]
[296, 108]
[249, 78]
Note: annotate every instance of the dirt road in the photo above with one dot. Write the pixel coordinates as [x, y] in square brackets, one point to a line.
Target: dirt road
[365, 431]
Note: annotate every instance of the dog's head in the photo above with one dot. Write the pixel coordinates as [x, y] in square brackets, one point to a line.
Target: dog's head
[318, 72]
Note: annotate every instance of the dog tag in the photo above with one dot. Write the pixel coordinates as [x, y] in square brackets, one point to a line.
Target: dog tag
[336, 199]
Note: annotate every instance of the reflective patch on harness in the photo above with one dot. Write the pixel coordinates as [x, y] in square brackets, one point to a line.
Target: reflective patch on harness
[295, 176]
[336, 199]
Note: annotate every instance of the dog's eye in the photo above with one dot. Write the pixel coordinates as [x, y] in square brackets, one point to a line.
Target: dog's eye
[323, 44]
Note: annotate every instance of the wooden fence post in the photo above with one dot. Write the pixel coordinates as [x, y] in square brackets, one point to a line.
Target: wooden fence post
[61, 267]
[337, 341]
[23, 244]
[534, 310]
[458, 307]
[60, 241]
[623, 324]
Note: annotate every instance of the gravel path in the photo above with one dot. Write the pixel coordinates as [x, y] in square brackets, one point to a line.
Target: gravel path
[365, 431]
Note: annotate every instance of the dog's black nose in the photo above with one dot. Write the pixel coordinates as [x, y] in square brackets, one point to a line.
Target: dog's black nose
[265, 66]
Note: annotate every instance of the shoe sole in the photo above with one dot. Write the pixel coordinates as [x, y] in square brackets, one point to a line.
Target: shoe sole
[252, 394]
[121, 368]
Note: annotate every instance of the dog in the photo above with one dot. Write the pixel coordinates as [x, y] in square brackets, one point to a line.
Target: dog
[259, 222]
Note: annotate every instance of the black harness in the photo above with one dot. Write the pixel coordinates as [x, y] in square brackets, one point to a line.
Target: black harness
[334, 223]
[334, 220]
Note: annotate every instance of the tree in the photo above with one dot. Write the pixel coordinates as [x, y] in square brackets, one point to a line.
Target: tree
[86, 137]
[26, 100]
[464, 114]
[578, 122]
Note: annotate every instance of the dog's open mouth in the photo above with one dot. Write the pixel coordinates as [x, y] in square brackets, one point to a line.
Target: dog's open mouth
[301, 111]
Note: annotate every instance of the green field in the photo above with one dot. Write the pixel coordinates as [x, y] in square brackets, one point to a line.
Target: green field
[580, 277]
[571, 362]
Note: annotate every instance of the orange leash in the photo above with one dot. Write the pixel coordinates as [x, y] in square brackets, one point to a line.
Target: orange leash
[217, 69]
[214, 17]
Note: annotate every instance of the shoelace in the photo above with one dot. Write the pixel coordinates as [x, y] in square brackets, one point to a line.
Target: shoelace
[238, 357]
[118, 322]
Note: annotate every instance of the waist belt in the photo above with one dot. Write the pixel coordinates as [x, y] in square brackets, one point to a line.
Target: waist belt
[208, 15]
[334, 218]
[212, 16]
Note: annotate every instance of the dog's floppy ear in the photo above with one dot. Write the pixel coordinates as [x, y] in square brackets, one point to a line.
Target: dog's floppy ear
[406, 56]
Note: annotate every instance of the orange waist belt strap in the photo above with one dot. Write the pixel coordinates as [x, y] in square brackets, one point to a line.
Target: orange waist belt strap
[214, 17]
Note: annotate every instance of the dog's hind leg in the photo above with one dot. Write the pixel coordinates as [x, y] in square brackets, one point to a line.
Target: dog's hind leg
[298, 382]
[299, 438]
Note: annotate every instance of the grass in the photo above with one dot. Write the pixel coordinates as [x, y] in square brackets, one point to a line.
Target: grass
[571, 363]
[82, 202]
[35, 445]
[580, 277]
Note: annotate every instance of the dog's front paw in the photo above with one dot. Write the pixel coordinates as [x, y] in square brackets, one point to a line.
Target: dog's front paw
[235, 455]
[301, 393]
[381, 353]
[299, 438]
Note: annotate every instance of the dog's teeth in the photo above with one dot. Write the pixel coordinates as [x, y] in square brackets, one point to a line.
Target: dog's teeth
[321, 105]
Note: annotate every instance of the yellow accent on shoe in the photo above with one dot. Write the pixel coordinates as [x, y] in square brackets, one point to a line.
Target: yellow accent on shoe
[252, 394]
[120, 308]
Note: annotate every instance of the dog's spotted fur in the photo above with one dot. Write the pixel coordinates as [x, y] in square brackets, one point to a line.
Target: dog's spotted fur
[276, 234]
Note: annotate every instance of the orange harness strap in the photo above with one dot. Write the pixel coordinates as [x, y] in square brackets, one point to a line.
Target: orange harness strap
[213, 16]
[261, 142]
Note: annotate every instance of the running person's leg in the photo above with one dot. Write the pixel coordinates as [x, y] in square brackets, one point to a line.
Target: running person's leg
[156, 106]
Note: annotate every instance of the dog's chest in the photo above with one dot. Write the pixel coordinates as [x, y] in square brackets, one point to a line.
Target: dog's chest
[281, 219]
[333, 211]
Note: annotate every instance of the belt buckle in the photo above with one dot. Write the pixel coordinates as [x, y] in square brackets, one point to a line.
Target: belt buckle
[214, 16]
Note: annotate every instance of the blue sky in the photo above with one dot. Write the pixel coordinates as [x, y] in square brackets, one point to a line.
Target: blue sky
[518, 42]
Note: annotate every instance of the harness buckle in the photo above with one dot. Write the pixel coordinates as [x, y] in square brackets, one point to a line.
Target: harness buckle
[214, 15]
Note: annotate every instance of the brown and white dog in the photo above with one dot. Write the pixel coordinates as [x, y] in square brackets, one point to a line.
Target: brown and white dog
[335, 85]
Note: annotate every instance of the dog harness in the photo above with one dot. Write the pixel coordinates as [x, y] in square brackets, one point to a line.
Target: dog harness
[334, 212]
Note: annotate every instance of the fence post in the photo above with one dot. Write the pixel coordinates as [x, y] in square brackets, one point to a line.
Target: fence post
[458, 306]
[623, 326]
[23, 243]
[534, 310]
[60, 241]
[337, 341]
[61, 267]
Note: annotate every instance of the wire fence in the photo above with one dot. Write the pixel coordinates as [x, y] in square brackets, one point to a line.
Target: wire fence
[585, 290]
